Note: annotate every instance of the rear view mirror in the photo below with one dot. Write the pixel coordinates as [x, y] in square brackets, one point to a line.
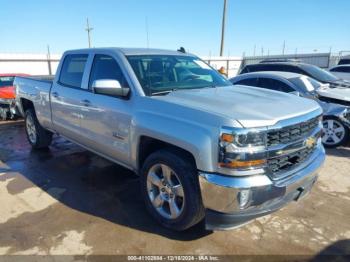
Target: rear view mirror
[295, 93]
[109, 87]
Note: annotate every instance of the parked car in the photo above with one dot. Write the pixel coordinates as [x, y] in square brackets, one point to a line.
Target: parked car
[344, 60]
[7, 96]
[202, 148]
[336, 120]
[315, 72]
[341, 71]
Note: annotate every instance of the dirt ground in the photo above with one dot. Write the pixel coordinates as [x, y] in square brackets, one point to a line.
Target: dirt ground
[66, 200]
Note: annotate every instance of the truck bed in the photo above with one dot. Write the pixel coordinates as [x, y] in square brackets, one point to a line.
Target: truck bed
[37, 90]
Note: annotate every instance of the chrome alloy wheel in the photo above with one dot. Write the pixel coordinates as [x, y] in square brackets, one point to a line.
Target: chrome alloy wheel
[165, 191]
[31, 129]
[333, 132]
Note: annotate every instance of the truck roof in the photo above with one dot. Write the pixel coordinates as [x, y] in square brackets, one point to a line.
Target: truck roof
[135, 51]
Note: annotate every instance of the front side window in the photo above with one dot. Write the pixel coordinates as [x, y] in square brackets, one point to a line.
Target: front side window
[6, 81]
[307, 84]
[341, 69]
[73, 70]
[160, 74]
[105, 67]
[273, 84]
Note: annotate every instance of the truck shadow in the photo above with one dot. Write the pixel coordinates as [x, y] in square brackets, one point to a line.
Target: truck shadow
[337, 251]
[339, 152]
[93, 185]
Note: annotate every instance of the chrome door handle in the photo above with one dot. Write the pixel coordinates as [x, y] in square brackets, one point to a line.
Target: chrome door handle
[55, 94]
[85, 102]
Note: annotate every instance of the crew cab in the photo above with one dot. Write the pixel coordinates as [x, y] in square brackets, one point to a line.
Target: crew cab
[202, 149]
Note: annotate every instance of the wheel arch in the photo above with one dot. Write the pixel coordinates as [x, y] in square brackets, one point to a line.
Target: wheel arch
[148, 145]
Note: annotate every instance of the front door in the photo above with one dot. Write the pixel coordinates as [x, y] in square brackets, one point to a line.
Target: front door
[105, 122]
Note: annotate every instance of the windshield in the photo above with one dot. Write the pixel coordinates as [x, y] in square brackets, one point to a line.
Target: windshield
[6, 81]
[164, 73]
[306, 83]
[319, 74]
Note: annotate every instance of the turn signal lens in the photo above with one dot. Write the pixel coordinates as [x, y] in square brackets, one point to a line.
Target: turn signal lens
[244, 164]
[229, 138]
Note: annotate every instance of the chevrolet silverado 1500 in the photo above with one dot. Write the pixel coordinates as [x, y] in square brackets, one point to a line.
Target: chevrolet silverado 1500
[202, 148]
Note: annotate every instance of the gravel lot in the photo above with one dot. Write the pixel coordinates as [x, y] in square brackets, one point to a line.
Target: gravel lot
[66, 200]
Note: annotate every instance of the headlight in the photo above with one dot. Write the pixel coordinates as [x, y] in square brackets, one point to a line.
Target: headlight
[242, 149]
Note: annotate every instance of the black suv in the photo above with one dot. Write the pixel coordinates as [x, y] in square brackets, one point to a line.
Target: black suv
[312, 71]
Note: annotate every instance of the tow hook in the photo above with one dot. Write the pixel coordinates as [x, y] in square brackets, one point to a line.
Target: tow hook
[300, 193]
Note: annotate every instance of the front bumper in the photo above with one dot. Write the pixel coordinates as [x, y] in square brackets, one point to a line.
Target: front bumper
[232, 201]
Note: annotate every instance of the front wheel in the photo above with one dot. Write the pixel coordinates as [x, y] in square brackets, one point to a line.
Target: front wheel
[171, 191]
[37, 136]
[335, 133]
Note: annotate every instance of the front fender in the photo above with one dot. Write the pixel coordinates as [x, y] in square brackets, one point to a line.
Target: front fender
[198, 139]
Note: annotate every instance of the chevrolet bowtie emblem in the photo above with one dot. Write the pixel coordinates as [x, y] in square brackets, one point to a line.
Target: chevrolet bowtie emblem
[310, 142]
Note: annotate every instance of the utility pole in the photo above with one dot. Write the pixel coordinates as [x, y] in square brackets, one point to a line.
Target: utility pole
[49, 60]
[147, 32]
[223, 29]
[254, 50]
[284, 47]
[88, 29]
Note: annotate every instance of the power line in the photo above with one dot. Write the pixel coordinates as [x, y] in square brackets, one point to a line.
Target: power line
[88, 29]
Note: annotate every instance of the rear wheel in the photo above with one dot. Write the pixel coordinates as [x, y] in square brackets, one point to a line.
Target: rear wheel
[171, 191]
[37, 136]
[335, 132]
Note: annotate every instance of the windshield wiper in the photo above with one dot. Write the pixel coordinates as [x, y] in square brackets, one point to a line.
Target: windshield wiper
[165, 92]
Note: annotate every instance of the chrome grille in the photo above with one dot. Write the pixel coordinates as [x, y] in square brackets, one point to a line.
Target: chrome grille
[292, 133]
[281, 164]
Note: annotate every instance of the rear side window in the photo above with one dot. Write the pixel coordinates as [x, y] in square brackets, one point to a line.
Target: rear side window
[105, 67]
[247, 82]
[73, 70]
[273, 84]
[344, 61]
[6, 81]
[341, 69]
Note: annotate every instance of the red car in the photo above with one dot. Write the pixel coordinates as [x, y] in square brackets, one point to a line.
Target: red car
[7, 96]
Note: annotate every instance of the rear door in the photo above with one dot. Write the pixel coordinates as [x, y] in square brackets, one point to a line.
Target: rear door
[66, 96]
[106, 120]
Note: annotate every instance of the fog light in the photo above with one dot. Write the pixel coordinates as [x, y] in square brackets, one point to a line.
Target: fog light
[243, 198]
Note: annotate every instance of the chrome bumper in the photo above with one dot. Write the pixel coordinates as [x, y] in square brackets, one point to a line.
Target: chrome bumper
[232, 201]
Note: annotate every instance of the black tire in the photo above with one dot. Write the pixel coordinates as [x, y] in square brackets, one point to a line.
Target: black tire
[193, 210]
[342, 141]
[43, 136]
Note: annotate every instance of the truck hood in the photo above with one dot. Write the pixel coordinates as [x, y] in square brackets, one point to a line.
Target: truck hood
[251, 106]
[340, 93]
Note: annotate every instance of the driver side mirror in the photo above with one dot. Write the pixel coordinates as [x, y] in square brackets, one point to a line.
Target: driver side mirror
[110, 87]
[295, 93]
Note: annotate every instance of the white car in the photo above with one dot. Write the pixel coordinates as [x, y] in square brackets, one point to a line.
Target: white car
[341, 71]
[338, 95]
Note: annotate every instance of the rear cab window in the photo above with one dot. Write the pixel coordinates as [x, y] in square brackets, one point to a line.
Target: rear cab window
[73, 70]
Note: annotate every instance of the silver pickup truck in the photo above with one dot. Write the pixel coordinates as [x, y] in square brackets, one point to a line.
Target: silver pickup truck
[202, 148]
